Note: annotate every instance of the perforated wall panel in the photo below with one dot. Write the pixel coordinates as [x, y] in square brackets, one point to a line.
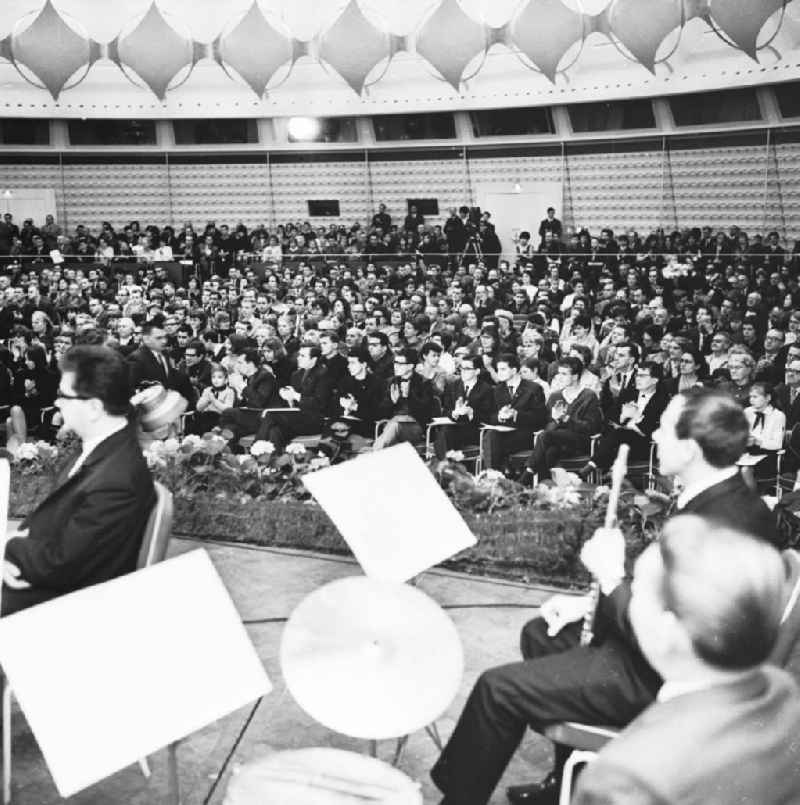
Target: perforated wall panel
[225, 193]
[34, 176]
[293, 184]
[117, 193]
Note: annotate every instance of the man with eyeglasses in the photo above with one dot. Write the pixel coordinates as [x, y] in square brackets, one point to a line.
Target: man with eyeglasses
[90, 529]
[407, 402]
[468, 403]
[380, 356]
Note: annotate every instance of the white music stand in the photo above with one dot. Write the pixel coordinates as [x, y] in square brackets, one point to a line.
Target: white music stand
[112, 673]
[392, 513]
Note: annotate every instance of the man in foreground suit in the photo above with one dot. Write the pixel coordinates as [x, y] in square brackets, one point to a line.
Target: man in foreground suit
[706, 603]
[90, 528]
[701, 436]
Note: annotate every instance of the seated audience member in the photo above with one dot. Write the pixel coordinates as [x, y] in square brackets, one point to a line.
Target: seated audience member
[725, 724]
[380, 356]
[196, 368]
[787, 399]
[620, 386]
[34, 389]
[691, 368]
[360, 394]
[407, 402]
[149, 363]
[767, 430]
[213, 400]
[256, 390]
[468, 402]
[517, 404]
[634, 422]
[90, 529]
[701, 436]
[309, 396]
[718, 357]
[531, 369]
[740, 367]
[574, 414]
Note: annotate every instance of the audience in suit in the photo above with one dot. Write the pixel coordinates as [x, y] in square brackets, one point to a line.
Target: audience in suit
[359, 394]
[517, 404]
[256, 387]
[468, 403]
[308, 396]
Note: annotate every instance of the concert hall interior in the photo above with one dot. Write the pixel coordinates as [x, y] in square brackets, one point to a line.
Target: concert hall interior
[399, 402]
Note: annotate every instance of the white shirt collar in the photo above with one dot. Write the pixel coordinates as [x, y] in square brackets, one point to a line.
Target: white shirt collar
[713, 478]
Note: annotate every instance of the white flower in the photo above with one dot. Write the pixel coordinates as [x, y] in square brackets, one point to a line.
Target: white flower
[26, 452]
[319, 463]
[192, 441]
[171, 446]
[295, 449]
[491, 475]
[262, 448]
[454, 455]
[154, 459]
[46, 450]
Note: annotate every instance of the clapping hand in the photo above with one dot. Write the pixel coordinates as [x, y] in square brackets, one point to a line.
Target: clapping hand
[604, 557]
[11, 576]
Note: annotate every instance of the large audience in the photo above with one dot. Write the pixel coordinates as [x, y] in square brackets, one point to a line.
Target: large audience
[368, 333]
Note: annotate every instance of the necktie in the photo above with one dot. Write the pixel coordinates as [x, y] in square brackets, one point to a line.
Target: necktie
[164, 365]
[759, 419]
[792, 396]
[510, 390]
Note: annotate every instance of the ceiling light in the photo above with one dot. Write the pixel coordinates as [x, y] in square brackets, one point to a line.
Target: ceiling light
[304, 129]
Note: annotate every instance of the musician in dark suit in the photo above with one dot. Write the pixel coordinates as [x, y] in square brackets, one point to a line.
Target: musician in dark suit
[90, 528]
[701, 436]
[518, 404]
[467, 401]
[634, 422]
[725, 725]
[309, 396]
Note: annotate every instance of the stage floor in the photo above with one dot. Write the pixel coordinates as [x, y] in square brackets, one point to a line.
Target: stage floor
[269, 583]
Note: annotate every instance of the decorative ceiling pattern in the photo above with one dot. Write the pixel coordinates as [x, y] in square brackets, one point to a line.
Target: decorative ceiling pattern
[156, 48]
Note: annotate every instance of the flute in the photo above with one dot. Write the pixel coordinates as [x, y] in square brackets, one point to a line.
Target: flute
[617, 475]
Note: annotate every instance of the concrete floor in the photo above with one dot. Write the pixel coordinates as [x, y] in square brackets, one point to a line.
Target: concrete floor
[266, 583]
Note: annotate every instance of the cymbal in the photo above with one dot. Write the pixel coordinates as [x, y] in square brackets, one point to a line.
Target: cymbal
[370, 658]
[320, 776]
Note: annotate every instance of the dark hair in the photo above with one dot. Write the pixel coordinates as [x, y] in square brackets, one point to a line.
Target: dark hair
[37, 356]
[655, 369]
[716, 422]
[475, 360]
[586, 354]
[507, 357]
[252, 356]
[313, 349]
[634, 349]
[332, 334]
[430, 346]
[101, 373]
[533, 363]
[575, 365]
[358, 353]
[380, 336]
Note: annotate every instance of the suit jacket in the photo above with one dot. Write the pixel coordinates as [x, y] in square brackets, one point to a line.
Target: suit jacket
[367, 393]
[90, 528]
[260, 390]
[781, 397]
[612, 397]
[480, 399]
[315, 390]
[729, 744]
[528, 401]
[651, 416]
[146, 368]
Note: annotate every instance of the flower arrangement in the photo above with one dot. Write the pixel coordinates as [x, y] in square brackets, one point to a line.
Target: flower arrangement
[206, 465]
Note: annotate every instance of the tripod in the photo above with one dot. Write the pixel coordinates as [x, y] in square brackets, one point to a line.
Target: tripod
[475, 242]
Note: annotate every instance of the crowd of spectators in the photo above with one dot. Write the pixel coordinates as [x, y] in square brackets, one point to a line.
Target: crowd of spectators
[580, 334]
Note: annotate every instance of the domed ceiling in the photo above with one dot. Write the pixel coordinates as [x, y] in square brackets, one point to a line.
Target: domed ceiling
[247, 58]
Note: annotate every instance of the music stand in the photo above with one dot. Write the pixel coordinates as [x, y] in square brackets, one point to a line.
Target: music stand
[112, 673]
[392, 513]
